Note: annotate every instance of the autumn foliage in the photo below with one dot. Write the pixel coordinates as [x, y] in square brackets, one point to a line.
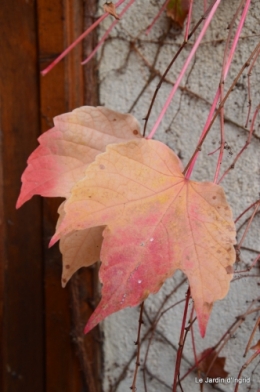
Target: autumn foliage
[129, 205]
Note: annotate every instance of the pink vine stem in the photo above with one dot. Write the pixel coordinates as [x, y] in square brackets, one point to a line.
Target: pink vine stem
[92, 54]
[221, 91]
[217, 96]
[184, 68]
[149, 28]
[186, 36]
[225, 69]
[80, 38]
[205, 4]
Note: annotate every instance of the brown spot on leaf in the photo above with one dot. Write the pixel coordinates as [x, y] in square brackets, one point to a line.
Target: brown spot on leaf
[229, 269]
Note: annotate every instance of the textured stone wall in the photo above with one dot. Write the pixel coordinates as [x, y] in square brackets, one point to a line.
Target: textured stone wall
[130, 63]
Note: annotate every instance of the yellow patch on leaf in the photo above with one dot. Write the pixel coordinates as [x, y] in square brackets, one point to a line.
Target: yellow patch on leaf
[156, 222]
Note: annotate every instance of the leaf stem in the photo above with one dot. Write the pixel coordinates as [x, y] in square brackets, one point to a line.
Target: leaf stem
[205, 4]
[210, 123]
[169, 67]
[186, 36]
[218, 93]
[138, 343]
[149, 28]
[80, 38]
[221, 90]
[92, 54]
[184, 68]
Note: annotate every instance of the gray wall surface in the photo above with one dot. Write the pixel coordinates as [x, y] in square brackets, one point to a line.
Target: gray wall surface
[127, 83]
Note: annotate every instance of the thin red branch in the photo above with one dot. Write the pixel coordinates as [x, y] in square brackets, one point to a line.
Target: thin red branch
[192, 337]
[184, 68]
[149, 28]
[153, 327]
[92, 54]
[257, 258]
[224, 339]
[245, 366]
[222, 134]
[138, 343]
[80, 38]
[245, 146]
[224, 75]
[249, 87]
[205, 4]
[192, 160]
[181, 343]
[248, 226]
[221, 88]
[252, 336]
[187, 29]
[247, 209]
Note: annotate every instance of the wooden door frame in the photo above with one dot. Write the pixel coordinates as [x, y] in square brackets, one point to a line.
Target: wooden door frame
[41, 325]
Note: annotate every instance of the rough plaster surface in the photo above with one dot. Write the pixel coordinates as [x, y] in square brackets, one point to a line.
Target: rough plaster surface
[124, 75]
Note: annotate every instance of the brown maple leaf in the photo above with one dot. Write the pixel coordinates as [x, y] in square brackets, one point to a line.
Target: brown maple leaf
[212, 365]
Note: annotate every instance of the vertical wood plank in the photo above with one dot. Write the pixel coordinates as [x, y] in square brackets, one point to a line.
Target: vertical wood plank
[62, 90]
[88, 282]
[62, 366]
[31, 311]
[21, 248]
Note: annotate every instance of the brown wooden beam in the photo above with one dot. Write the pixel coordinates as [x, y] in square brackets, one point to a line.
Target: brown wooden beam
[67, 350]
[21, 285]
